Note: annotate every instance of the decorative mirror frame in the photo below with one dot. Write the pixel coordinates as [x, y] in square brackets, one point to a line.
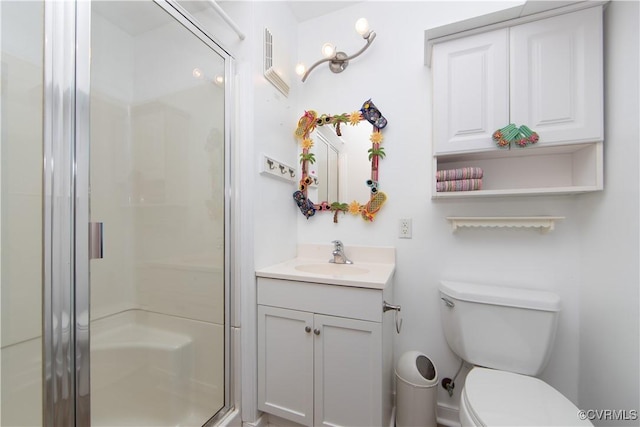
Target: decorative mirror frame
[306, 125]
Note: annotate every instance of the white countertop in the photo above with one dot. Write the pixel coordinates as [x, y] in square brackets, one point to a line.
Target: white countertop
[374, 267]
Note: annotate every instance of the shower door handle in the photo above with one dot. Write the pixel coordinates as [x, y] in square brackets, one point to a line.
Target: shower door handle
[95, 240]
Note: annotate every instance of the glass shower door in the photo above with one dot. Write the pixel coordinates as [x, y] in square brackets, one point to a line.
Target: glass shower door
[21, 210]
[157, 186]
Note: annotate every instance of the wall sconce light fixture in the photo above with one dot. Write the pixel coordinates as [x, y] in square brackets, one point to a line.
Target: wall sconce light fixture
[338, 61]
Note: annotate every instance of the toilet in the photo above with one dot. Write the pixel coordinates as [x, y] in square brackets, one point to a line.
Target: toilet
[507, 334]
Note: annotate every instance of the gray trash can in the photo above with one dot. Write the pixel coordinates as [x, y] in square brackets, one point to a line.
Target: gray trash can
[416, 390]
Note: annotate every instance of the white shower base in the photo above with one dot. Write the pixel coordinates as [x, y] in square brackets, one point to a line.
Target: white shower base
[149, 369]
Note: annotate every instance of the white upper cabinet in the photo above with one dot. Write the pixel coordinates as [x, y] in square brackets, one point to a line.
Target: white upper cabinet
[546, 74]
[542, 69]
[556, 77]
[471, 91]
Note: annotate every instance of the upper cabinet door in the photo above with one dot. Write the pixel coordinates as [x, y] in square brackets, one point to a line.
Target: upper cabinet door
[556, 77]
[471, 91]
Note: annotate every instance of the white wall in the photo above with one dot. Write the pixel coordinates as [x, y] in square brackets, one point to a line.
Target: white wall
[608, 294]
[275, 233]
[393, 74]
[567, 261]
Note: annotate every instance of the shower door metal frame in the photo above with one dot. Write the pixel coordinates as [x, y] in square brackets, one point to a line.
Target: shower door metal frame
[66, 293]
[59, 181]
[82, 287]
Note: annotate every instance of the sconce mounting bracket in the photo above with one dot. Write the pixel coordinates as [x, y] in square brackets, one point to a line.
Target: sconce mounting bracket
[339, 63]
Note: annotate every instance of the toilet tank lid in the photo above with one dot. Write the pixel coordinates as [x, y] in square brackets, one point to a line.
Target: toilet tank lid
[501, 295]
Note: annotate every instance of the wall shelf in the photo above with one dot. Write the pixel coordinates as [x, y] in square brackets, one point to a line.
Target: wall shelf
[544, 223]
[549, 169]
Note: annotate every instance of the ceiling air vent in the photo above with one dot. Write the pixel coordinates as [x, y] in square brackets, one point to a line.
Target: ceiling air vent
[270, 72]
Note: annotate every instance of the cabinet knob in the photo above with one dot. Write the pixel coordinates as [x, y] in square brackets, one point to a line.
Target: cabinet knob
[307, 329]
[316, 331]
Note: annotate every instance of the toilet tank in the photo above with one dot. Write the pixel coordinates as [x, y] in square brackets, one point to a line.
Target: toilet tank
[499, 327]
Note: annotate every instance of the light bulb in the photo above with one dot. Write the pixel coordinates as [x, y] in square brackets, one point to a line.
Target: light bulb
[362, 26]
[197, 73]
[328, 50]
[300, 69]
[219, 80]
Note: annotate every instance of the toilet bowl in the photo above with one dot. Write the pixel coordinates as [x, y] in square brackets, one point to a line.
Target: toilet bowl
[499, 398]
[507, 334]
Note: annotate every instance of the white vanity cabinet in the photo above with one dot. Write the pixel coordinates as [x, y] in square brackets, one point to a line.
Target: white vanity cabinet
[324, 353]
[542, 71]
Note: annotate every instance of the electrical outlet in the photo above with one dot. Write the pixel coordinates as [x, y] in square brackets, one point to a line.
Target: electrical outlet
[404, 231]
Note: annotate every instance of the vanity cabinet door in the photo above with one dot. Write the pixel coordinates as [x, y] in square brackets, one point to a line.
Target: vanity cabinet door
[470, 91]
[285, 363]
[348, 372]
[319, 370]
[556, 77]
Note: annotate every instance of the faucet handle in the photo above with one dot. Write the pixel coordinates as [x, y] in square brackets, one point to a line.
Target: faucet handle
[338, 245]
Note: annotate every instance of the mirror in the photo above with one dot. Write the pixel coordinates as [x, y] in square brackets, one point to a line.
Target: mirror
[339, 159]
[326, 171]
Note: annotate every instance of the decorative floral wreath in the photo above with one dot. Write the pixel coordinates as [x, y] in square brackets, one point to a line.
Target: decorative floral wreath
[306, 125]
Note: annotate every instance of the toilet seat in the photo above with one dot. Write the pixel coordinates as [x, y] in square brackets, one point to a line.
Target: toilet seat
[499, 398]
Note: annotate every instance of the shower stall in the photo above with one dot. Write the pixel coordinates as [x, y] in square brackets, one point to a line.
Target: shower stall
[115, 215]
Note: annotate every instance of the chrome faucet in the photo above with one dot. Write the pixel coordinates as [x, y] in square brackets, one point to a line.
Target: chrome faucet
[338, 254]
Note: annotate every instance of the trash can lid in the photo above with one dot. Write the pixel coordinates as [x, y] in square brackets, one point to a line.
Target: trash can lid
[417, 369]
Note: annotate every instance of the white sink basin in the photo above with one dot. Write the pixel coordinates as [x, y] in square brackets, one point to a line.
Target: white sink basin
[332, 269]
[372, 267]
